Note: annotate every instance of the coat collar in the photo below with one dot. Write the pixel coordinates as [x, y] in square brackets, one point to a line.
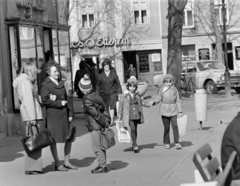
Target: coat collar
[60, 83]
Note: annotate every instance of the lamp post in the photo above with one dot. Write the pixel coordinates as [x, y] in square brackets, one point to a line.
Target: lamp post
[226, 74]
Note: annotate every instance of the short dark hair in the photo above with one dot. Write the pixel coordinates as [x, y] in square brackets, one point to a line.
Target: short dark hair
[131, 84]
[106, 62]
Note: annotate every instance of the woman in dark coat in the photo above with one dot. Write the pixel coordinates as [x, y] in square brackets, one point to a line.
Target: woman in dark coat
[109, 87]
[58, 113]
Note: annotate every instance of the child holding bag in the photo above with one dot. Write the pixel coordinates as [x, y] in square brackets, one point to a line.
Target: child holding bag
[130, 109]
[170, 107]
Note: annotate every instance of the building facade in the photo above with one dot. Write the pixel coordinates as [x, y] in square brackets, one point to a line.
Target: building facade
[128, 32]
[35, 31]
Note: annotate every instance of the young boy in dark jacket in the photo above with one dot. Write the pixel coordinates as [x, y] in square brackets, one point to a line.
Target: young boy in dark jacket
[97, 117]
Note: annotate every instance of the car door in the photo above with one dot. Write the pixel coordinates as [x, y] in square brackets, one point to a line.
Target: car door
[191, 75]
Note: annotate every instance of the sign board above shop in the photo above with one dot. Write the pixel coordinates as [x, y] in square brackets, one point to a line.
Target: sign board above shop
[40, 5]
[103, 42]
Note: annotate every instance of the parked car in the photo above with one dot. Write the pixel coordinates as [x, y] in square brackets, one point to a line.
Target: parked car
[207, 74]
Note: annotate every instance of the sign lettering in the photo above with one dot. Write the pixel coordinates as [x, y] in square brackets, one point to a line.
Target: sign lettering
[103, 42]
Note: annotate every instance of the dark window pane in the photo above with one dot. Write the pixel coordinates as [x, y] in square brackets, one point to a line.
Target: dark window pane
[190, 18]
[143, 63]
[84, 21]
[136, 17]
[144, 16]
[91, 20]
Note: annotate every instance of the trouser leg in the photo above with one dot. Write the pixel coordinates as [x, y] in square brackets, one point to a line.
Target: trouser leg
[175, 129]
[166, 123]
[133, 126]
[96, 146]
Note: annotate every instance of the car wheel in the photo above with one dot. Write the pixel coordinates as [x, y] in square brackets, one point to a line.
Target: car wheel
[211, 87]
[237, 90]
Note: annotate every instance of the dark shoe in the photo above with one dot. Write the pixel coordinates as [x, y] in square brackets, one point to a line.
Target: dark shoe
[99, 170]
[61, 168]
[71, 167]
[135, 149]
[33, 172]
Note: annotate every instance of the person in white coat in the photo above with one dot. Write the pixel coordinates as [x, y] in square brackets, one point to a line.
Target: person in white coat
[31, 112]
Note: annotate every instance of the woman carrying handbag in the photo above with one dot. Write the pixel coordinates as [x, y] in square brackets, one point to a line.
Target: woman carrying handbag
[30, 112]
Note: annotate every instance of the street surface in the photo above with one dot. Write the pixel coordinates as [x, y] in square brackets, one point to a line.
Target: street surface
[154, 165]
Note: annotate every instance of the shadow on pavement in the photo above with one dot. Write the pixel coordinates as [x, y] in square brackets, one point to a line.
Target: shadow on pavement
[80, 163]
[186, 143]
[141, 147]
[206, 128]
[11, 148]
[115, 165]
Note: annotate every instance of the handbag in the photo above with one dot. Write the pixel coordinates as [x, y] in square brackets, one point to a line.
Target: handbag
[123, 134]
[37, 141]
[107, 139]
[182, 125]
[72, 132]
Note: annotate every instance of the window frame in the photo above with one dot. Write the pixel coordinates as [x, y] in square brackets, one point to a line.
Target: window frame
[185, 16]
[84, 11]
[218, 5]
[139, 10]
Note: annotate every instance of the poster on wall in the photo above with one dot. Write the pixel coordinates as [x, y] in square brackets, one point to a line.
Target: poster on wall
[237, 51]
[156, 57]
[203, 54]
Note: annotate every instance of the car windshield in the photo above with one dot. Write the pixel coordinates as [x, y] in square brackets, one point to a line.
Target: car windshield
[209, 65]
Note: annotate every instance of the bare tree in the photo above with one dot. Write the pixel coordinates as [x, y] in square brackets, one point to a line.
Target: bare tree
[206, 21]
[175, 23]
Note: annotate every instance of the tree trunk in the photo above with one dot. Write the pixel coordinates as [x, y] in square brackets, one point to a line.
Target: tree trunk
[217, 34]
[175, 23]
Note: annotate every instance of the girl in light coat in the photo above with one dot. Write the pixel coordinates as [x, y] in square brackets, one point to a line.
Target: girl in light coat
[31, 112]
[170, 107]
[130, 110]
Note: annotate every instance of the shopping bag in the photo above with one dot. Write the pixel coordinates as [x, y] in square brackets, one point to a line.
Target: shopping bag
[123, 134]
[107, 139]
[182, 125]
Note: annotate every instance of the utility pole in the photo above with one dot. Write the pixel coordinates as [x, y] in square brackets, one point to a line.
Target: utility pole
[226, 74]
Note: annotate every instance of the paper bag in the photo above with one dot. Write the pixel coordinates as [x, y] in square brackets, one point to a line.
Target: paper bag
[123, 134]
[182, 125]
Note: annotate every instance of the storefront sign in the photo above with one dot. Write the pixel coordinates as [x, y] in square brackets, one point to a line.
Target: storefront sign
[90, 43]
[35, 4]
[203, 54]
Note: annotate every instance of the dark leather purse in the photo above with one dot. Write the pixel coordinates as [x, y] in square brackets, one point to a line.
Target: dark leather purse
[72, 132]
[107, 138]
[35, 142]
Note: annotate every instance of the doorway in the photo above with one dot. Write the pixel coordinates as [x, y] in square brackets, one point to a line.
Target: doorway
[129, 58]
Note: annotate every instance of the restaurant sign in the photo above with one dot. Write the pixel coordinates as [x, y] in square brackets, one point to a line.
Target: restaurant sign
[103, 42]
[35, 4]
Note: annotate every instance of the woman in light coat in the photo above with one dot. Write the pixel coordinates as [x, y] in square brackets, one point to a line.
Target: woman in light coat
[169, 109]
[31, 112]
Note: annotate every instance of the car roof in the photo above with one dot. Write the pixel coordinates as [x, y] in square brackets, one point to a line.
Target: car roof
[196, 61]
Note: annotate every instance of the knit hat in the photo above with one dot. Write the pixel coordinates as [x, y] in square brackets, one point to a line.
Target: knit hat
[85, 83]
[168, 76]
[132, 80]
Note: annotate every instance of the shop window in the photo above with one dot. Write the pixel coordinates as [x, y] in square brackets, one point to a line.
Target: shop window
[15, 66]
[156, 60]
[188, 18]
[188, 53]
[218, 6]
[87, 14]
[55, 46]
[65, 61]
[143, 63]
[40, 59]
[140, 12]
[26, 33]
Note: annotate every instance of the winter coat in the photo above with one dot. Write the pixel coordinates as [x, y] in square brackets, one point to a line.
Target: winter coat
[96, 114]
[30, 109]
[124, 105]
[57, 116]
[108, 85]
[170, 103]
